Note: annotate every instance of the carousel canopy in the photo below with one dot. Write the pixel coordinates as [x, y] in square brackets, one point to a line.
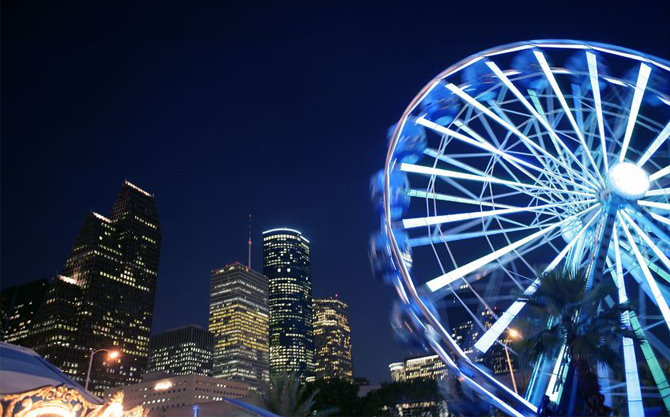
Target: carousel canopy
[22, 370]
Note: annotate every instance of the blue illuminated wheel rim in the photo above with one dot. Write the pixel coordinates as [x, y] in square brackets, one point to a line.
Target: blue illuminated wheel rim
[546, 153]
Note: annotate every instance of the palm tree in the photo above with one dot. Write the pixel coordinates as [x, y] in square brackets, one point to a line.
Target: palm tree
[567, 313]
[286, 396]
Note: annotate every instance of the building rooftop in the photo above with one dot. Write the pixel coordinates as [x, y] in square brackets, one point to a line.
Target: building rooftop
[137, 188]
[280, 229]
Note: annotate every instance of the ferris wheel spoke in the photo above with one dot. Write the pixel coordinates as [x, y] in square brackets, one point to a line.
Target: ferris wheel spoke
[657, 373]
[647, 240]
[658, 205]
[631, 267]
[640, 87]
[488, 128]
[651, 282]
[413, 168]
[454, 162]
[442, 238]
[654, 146]
[527, 141]
[446, 279]
[663, 235]
[488, 267]
[458, 229]
[479, 142]
[657, 217]
[658, 192]
[456, 199]
[442, 219]
[595, 87]
[559, 95]
[554, 138]
[516, 223]
[542, 119]
[633, 391]
[596, 141]
[509, 156]
[486, 341]
[660, 173]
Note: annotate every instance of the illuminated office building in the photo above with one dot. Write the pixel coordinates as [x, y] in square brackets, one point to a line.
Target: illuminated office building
[422, 368]
[425, 367]
[497, 359]
[466, 333]
[286, 264]
[181, 351]
[397, 371]
[104, 297]
[332, 340]
[238, 319]
[176, 396]
[19, 308]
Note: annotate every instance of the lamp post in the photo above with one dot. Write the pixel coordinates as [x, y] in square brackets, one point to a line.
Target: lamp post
[513, 333]
[113, 354]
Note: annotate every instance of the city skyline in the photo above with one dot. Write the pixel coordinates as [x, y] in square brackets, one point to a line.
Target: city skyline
[47, 315]
[65, 291]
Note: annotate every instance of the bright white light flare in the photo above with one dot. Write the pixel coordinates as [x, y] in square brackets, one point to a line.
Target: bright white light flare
[629, 180]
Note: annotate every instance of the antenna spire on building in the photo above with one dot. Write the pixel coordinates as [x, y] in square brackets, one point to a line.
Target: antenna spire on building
[249, 263]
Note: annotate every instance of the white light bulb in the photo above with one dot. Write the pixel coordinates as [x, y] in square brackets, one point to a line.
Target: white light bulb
[628, 180]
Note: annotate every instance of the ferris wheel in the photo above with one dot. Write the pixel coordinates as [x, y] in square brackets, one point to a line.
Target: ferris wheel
[516, 161]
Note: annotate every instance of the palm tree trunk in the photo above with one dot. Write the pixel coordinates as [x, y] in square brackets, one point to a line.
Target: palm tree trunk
[589, 390]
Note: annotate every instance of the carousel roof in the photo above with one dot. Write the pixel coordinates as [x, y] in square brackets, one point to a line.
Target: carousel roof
[22, 369]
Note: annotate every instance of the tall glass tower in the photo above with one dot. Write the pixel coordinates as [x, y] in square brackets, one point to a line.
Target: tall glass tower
[238, 319]
[105, 295]
[286, 265]
[332, 338]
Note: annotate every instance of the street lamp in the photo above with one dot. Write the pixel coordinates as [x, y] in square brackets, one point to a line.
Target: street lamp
[112, 354]
[512, 333]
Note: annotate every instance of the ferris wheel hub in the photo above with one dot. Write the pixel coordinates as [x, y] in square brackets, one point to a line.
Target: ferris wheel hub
[628, 180]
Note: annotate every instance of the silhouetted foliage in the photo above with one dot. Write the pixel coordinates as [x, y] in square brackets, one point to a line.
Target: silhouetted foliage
[383, 402]
[338, 397]
[462, 402]
[287, 397]
[335, 397]
[564, 312]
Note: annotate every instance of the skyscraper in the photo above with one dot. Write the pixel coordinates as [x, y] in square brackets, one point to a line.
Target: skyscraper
[19, 308]
[286, 264]
[181, 351]
[332, 340]
[105, 295]
[238, 319]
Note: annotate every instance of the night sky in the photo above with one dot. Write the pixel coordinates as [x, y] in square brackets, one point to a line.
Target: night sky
[225, 109]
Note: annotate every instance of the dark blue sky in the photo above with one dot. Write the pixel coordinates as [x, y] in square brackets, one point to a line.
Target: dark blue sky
[222, 109]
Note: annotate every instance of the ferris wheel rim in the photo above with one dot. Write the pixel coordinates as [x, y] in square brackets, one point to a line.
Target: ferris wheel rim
[410, 288]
